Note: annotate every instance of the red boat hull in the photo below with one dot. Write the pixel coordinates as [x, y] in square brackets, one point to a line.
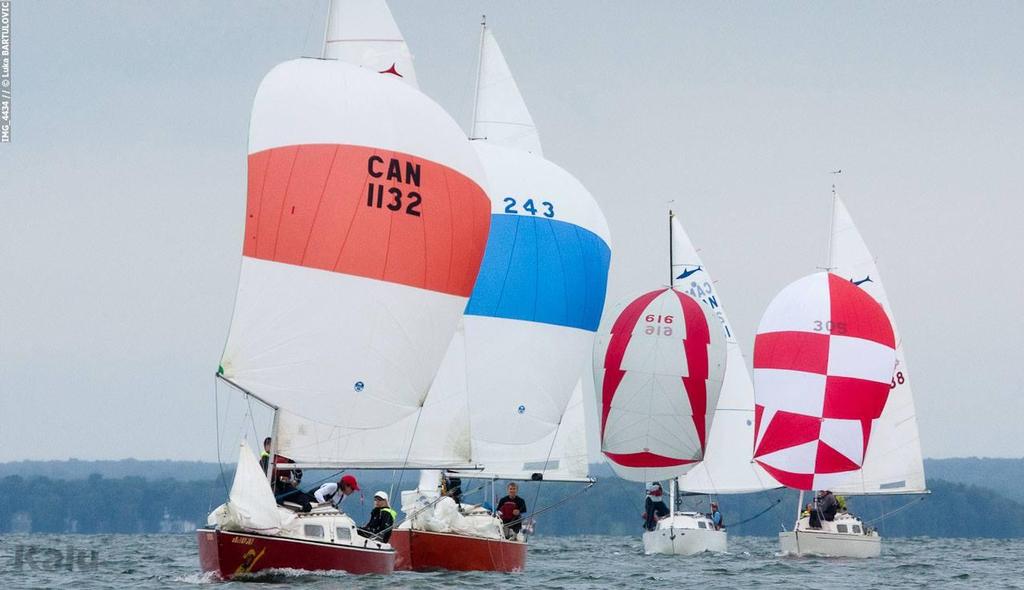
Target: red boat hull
[425, 550]
[230, 554]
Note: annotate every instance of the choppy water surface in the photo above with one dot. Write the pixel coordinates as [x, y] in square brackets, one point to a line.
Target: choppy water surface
[171, 561]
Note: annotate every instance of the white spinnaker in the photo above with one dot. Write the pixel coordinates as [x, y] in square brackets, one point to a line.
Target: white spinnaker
[561, 455]
[251, 505]
[364, 33]
[347, 359]
[500, 114]
[728, 466]
[893, 461]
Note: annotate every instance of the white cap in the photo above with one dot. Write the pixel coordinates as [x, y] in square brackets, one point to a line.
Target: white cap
[381, 495]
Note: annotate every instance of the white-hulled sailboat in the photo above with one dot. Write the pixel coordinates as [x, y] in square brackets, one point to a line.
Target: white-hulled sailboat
[658, 369]
[868, 441]
[526, 337]
[366, 223]
[728, 466]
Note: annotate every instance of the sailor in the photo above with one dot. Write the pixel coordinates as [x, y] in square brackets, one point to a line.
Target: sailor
[827, 505]
[654, 506]
[382, 518]
[841, 500]
[451, 485]
[335, 492]
[265, 455]
[716, 517]
[511, 509]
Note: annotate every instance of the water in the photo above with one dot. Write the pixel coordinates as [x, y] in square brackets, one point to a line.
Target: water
[170, 561]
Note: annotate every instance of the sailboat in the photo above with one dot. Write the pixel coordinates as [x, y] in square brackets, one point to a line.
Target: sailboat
[525, 339]
[659, 366]
[366, 223]
[891, 450]
[728, 466]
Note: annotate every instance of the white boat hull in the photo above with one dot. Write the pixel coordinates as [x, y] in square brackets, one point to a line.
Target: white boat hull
[829, 541]
[680, 535]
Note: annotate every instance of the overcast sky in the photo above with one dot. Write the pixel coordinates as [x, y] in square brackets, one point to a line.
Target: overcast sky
[123, 191]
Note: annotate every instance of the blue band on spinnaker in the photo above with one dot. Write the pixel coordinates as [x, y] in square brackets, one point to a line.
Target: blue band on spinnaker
[542, 270]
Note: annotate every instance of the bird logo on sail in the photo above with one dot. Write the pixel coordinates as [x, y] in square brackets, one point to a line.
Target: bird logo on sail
[521, 409]
[391, 70]
[866, 279]
[688, 272]
[359, 385]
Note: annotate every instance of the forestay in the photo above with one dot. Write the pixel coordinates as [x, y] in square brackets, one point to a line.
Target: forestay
[658, 369]
[823, 357]
[364, 33]
[728, 466]
[365, 227]
[893, 462]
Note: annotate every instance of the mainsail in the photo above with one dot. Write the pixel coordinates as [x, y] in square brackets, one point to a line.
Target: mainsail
[728, 466]
[364, 33]
[500, 115]
[365, 227]
[893, 462]
[658, 368]
[823, 358]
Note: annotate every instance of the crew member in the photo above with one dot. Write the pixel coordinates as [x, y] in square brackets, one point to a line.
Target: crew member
[335, 493]
[511, 509]
[716, 517]
[382, 518]
[654, 506]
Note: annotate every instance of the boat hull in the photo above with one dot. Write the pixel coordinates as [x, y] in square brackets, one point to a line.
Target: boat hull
[829, 544]
[684, 541]
[229, 554]
[427, 550]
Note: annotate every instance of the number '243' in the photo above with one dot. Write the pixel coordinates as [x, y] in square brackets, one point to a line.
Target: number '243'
[529, 207]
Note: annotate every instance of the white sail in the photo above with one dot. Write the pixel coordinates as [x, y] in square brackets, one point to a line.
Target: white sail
[893, 462]
[251, 505]
[364, 33]
[561, 455]
[500, 115]
[363, 240]
[728, 466]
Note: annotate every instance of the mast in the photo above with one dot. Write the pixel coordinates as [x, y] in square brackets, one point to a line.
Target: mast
[671, 264]
[479, 68]
[327, 29]
[832, 224]
[672, 491]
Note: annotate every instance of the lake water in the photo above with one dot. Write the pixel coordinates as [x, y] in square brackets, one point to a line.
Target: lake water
[171, 561]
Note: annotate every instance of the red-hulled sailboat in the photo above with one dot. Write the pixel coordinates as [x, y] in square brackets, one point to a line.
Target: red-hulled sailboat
[366, 223]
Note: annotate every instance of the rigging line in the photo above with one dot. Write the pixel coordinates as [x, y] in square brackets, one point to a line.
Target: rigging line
[901, 508]
[536, 497]
[759, 514]
[552, 506]
[220, 463]
[408, 451]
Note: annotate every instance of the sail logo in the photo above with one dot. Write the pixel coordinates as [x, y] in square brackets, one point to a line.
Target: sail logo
[866, 279]
[391, 70]
[689, 271]
[359, 386]
[521, 409]
[393, 171]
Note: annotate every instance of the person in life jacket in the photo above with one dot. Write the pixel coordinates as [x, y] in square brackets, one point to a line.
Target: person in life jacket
[841, 500]
[265, 455]
[716, 517]
[335, 493]
[654, 506]
[382, 518]
[285, 482]
[511, 509]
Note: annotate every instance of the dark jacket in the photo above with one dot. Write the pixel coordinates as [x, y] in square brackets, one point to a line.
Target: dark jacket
[380, 523]
[827, 505]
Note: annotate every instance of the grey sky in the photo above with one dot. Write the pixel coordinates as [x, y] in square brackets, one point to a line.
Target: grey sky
[123, 192]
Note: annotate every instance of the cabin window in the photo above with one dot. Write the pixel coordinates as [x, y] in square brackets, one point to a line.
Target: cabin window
[856, 528]
[700, 524]
[313, 530]
[343, 534]
[841, 528]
